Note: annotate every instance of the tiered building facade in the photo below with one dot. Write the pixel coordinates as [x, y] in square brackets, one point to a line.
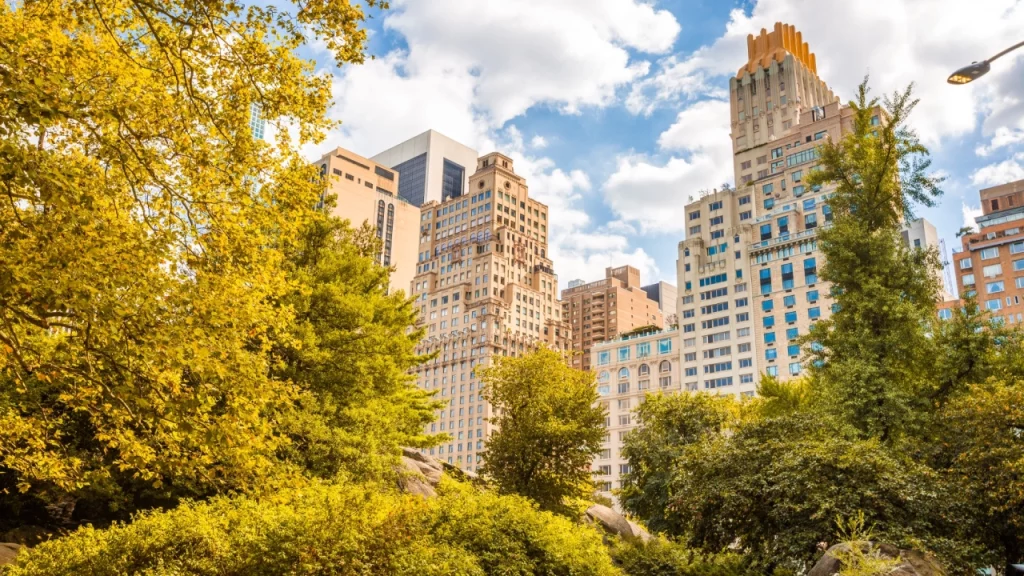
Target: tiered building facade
[485, 287]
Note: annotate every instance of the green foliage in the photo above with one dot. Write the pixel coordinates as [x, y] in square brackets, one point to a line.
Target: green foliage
[332, 530]
[776, 484]
[550, 427]
[666, 426]
[642, 330]
[861, 557]
[661, 557]
[351, 349]
[871, 359]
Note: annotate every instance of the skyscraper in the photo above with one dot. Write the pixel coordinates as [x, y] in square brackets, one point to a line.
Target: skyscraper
[434, 167]
[484, 287]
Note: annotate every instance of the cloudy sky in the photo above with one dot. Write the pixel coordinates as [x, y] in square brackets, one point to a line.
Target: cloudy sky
[614, 110]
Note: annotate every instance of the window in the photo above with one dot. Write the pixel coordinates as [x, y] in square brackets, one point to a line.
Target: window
[810, 221]
[769, 337]
[793, 350]
[766, 281]
[604, 357]
[994, 304]
[812, 296]
[945, 314]
[695, 215]
[745, 215]
[767, 188]
[792, 333]
[992, 270]
[777, 152]
[643, 370]
[814, 313]
[766, 232]
[768, 321]
[623, 388]
[790, 317]
[810, 271]
[794, 368]
[623, 353]
[665, 366]
[643, 349]
[767, 305]
[623, 373]
[1016, 247]
[783, 225]
[787, 276]
[989, 253]
[771, 354]
[744, 200]
[769, 203]
[810, 204]
[691, 372]
[994, 287]
[665, 346]
[965, 263]
[968, 279]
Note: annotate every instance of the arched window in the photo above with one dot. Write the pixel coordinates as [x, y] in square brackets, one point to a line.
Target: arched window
[623, 373]
[644, 370]
[603, 377]
[665, 366]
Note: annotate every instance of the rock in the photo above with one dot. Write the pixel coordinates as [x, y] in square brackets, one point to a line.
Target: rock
[914, 563]
[8, 551]
[615, 523]
[419, 473]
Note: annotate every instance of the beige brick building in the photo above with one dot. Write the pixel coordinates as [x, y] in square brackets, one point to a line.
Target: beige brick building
[627, 370]
[367, 192]
[484, 286]
[602, 310]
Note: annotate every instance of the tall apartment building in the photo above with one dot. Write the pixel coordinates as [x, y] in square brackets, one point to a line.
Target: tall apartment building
[434, 167]
[667, 297]
[991, 261]
[716, 314]
[365, 192]
[921, 233]
[484, 287]
[604, 309]
[628, 368]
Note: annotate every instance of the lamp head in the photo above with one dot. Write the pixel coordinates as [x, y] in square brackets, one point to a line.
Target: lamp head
[969, 73]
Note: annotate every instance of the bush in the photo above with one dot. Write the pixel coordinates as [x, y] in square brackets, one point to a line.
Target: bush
[331, 530]
[661, 557]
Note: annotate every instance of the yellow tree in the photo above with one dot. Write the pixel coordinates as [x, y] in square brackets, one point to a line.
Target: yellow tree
[142, 229]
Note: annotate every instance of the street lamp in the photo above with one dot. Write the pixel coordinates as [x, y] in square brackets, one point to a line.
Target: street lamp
[977, 69]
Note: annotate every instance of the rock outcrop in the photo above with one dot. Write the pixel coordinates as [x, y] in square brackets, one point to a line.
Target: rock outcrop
[614, 523]
[420, 474]
[7, 552]
[913, 563]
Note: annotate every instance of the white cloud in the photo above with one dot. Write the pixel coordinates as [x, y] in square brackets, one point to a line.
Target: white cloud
[969, 214]
[1002, 138]
[1008, 170]
[896, 42]
[653, 195]
[538, 142]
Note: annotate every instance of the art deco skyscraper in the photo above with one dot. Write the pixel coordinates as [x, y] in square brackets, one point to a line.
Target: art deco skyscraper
[485, 287]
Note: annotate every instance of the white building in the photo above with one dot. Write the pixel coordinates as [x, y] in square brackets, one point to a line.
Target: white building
[432, 167]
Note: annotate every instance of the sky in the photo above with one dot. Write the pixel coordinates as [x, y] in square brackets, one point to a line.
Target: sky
[616, 111]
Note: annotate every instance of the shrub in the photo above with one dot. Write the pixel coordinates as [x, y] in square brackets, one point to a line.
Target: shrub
[331, 530]
[661, 557]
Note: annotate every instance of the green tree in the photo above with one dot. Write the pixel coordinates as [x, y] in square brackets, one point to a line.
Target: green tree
[872, 358]
[350, 349]
[550, 427]
[665, 426]
[142, 235]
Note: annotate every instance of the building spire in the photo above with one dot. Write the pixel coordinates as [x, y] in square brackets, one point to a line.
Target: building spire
[783, 39]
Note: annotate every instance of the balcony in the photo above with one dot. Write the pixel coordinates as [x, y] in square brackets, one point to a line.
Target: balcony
[786, 239]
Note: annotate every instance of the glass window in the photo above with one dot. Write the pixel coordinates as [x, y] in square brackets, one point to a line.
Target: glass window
[814, 313]
[789, 301]
[1016, 247]
[945, 314]
[787, 276]
[809, 204]
[812, 295]
[665, 346]
[994, 304]
[643, 349]
[768, 321]
[794, 368]
[989, 253]
[810, 271]
[810, 221]
[623, 373]
[965, 263]
[992, 270]
[772, 370]
[623, 353]
[769, 203]
[783, 225]
[767, 188]
[1018, 265]
[771, 354]
[994, 287]
[968, 279]
[766, 281]
[604, 357]
[766, 306]
[769, 337]
[798, 190]
[790, 317]
[792, 333]
[766, 231]
[793, 350]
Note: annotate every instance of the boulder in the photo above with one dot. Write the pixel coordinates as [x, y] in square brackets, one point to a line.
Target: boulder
[913, 563]
[615, 523]
[8, 551]
[418, 473]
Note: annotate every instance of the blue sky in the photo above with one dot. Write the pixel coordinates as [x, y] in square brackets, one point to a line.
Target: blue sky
[614, 112]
